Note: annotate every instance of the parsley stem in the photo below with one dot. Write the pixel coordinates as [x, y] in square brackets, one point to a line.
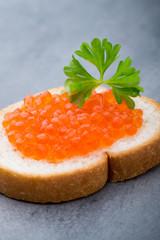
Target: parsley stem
[109, 80]
[101, 77]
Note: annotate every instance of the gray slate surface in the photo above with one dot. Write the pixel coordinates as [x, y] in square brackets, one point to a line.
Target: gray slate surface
[37, 39]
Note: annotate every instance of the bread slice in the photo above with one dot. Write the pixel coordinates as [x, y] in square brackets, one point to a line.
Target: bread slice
[132, 156]
[40, 181]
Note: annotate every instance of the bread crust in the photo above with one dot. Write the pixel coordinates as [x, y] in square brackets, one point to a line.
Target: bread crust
[55, 187]
[85, 181]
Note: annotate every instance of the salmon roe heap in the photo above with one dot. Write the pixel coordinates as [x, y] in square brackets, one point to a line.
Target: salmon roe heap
[50, 127]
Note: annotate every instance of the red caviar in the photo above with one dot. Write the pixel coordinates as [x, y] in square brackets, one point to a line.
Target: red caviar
[50, 127]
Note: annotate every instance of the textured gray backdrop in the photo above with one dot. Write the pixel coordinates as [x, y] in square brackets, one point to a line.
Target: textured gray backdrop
[37, 39]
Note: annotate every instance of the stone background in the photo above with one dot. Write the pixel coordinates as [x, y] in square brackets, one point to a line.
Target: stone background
[37, 39]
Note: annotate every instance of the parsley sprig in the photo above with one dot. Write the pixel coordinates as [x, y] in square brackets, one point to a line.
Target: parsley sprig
[79, 84]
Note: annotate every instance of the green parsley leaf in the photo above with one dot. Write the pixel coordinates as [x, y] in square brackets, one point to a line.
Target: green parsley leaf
[79, 84]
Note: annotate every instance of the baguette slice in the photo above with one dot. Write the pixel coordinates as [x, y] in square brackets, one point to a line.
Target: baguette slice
[39, 181]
